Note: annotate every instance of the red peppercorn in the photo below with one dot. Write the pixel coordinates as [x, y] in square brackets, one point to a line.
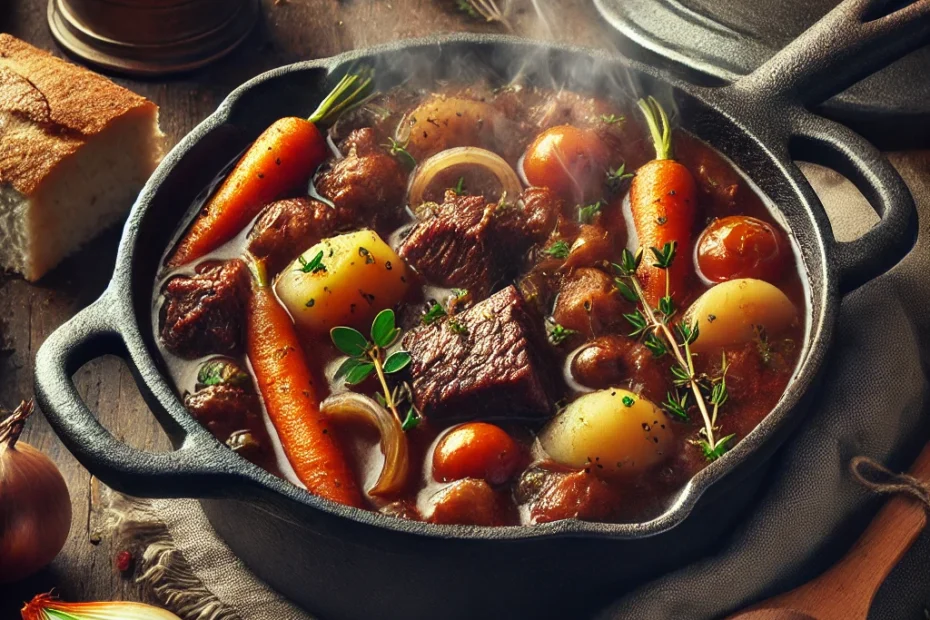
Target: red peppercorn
[123, 561]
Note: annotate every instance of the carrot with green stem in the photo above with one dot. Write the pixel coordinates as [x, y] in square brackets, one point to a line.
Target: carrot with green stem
[287, 388]
[663, 201]
[280, 160]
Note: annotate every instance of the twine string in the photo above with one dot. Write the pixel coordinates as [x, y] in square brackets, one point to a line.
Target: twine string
[880, 479]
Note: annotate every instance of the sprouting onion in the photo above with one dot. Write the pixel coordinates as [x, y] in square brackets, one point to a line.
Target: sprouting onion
[353, 406]
[428, 170]
[46, 607]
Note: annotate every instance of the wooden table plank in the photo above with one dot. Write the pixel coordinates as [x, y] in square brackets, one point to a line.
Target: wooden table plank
[290, 31]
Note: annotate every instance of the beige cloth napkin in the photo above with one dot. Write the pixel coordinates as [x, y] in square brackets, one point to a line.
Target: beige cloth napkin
[192, 572]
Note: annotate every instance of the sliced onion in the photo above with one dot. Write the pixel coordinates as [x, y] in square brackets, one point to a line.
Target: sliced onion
[352, 406]
[462, 155]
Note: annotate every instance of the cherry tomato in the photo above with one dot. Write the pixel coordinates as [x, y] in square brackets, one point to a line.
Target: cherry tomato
[571, 162]
[742, 247]
[476, 450]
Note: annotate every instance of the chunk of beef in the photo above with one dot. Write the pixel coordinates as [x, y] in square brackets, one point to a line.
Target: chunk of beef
[204, 314]
[576, 495]
[542, 207]
[467, 243]
[481, 363]
[368, 187]
[588, 303]
[288, 227]
[361, 143]
[233, 415]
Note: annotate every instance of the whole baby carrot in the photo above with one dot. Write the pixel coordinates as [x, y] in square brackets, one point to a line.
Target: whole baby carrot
[280, 160]
[663, 201]
[287, 388]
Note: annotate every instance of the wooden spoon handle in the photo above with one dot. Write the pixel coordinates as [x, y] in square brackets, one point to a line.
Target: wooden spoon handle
[855, 579]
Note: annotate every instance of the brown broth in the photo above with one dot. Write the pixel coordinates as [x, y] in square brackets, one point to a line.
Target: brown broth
[753, 394]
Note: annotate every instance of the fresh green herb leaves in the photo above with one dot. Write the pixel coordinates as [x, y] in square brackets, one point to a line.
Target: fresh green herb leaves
[665, 256]
[350, 341]
[312, 266]
[435, 312]
[629, 263]
[222, 372]
[559, 249]
[384, 332]
[638, 321]
[558, 334]
[412, 420]
[456, 327]
[460, 293]
[612, 119]
[399, 150]
[459, 188]
[628, 401]
[616, 178]
[715, 451]
[367, 357]
[586, 214]
[655, 344]
[677, 404]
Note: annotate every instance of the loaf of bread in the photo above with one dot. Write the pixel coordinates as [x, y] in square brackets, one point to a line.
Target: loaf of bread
[75, 149]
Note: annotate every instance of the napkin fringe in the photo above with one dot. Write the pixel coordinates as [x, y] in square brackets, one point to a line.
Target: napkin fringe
[164, 572]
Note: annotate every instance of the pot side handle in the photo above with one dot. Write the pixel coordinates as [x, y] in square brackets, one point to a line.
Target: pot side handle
[193, 470]
[851, 42]
[827, 143]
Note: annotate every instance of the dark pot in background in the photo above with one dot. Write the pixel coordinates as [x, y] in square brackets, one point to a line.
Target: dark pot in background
[342, 562]
[150, 37]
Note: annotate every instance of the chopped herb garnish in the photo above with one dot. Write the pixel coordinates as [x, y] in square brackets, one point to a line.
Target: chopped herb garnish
[460, 293]
[628, 401]
[612, 119]
[455, 327]
[615, 178]
[435, 312]
[559, 249]
[313, 266]
[586, 214]
[558, 334]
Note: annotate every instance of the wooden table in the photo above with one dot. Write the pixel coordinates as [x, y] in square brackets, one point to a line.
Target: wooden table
[290, 30]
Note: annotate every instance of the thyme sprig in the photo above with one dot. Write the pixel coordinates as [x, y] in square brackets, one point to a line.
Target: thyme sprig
[559, 249]
[399, 150]
[661, 336]
[369, 356]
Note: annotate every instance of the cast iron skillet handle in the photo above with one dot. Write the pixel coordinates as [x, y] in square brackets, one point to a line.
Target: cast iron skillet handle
[830, 144]
[186, 472]
[851, 42]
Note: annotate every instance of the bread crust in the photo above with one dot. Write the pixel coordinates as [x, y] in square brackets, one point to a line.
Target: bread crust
[48, 109]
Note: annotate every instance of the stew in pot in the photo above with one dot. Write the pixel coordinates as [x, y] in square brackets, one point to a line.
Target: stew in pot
[476, 305]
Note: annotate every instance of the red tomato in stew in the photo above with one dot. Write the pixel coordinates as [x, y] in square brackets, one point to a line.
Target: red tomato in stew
[739, 246]
[476, 450]
[571, 162]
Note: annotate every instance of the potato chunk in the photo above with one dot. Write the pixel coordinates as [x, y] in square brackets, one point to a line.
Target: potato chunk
[731, 312]
[612, 432]
[357, 276]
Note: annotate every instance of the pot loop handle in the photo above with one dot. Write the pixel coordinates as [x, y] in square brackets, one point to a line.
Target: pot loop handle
[192, 470]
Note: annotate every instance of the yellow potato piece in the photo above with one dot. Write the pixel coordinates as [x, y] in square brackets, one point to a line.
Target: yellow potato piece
[613, 431]
[729, 313]
[360, 276]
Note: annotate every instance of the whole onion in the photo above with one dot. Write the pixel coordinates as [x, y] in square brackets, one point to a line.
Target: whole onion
[35, 509]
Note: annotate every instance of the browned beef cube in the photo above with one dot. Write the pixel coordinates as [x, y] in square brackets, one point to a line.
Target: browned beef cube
[482, 363]
[367, 186]
[205, 313]
[288, 227]
[468, 243]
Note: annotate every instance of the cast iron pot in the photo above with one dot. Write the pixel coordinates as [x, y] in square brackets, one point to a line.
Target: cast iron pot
[342, 562]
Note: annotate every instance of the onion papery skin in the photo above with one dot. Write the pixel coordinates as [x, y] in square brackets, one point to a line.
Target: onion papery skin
[35, 511]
